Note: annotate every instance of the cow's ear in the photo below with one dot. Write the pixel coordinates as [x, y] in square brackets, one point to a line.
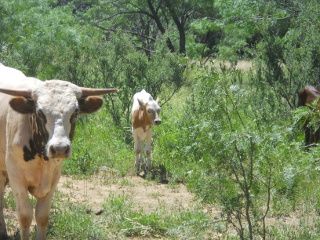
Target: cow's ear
[141, 104]
[22, 105]
[90, 104]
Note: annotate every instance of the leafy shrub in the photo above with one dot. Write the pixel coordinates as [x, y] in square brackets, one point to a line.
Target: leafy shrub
[120, 217]
[234, 150]
[99, 143]
[74, 223]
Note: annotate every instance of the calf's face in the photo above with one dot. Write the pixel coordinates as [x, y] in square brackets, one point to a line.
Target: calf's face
[152, 109]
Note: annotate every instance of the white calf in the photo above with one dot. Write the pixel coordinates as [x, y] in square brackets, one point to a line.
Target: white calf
[145, 114]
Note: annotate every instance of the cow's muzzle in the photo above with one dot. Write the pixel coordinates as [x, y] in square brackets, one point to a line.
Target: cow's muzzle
[157, 122]
[60, 151]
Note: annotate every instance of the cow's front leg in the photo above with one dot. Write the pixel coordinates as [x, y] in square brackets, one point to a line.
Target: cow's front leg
[24, 210]
[42, 215]
[43, 208]
[3, 230]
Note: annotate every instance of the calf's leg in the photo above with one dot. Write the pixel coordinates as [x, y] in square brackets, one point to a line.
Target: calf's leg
[138, 152]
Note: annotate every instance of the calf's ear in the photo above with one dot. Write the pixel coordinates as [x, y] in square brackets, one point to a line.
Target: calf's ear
[142, 105]
[22, 105]
[90, 104]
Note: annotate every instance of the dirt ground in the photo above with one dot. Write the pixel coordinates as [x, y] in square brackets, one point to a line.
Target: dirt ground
[149, 196]
[144, 194]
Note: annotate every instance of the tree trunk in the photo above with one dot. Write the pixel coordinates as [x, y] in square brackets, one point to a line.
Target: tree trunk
[159, 24]
[180, 27]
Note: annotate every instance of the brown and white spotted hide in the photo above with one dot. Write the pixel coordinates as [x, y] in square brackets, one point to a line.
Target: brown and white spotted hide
[37, 124]
[145, 114]
[307, 96]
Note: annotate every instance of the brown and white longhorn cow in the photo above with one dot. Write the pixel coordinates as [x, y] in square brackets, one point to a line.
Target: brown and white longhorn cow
[36, 129]
[307, 96]
[145, 114]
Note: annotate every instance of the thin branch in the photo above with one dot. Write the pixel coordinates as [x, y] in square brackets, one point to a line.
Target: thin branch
[125, 31]
[140, 35]
[287, 7]
[105, 29]
[168, 99]
[123, 13]
[234, 106]
[145, 49]
[268, 18]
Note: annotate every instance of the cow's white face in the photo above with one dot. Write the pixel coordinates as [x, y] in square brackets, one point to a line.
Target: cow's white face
[54, 106]
[57, 108]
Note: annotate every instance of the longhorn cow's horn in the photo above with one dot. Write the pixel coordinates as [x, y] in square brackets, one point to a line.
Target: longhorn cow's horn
[94, 91]
[17, 92]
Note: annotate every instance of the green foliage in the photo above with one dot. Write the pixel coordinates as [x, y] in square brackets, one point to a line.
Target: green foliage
[131, 71]
[33, 33]
[203, 37]
[288, 61]
[122, 219]
[308, 116]
[231, 156]
[9, 202]
[133, 223]
[84, 58]
[231, 136]
[74, 223]
[98, 143]
[238, 23]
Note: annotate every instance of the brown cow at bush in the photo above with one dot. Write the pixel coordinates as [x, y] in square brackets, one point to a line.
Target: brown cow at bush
[307, 96]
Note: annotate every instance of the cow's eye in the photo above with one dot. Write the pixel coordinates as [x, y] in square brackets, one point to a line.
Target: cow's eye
[74, 116]
[40, 113]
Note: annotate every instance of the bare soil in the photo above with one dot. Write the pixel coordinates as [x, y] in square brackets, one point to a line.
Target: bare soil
[146, 195]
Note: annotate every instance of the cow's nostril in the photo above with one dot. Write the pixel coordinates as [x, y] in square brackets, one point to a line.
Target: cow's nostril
[52, 150]
[67, 149]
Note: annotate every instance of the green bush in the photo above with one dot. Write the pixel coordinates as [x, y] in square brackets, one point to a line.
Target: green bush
[98, 143]
[120, 217]
[74, 223]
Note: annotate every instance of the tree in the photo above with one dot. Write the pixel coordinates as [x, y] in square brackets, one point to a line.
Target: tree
[147, 20]
[288, 61]
[121, 65]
